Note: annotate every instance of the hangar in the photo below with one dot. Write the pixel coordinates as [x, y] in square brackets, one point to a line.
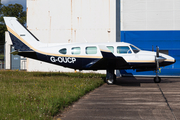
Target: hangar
[144, 23]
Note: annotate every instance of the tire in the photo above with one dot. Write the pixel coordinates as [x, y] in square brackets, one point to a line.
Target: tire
[157, 79]
[114, 77]
[110, 81]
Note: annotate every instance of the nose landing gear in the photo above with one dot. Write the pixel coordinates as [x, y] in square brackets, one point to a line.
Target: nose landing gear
[158, 60]
[157, 79]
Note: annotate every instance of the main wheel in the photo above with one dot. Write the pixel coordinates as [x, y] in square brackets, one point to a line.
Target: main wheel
[110, 81]
[157, 79]
[114, 77]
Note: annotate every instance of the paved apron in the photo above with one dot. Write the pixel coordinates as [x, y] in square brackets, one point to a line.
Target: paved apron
[130, 99]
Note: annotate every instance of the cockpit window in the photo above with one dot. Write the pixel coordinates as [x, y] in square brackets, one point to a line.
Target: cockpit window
[123, 50]
[135, 49]
[111, 48]
[76, 50]
[63, 51]
[91, 50]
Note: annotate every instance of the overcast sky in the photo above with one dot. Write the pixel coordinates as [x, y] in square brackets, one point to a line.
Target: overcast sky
[22, 2]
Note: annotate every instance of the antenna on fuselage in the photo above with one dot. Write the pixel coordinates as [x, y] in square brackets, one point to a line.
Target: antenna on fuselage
[85, 40]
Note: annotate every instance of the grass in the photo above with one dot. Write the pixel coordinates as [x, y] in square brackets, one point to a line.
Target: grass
[37, 95]
[1, 56]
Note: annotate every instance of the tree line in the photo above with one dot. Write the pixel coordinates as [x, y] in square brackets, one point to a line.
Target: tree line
[11, 10]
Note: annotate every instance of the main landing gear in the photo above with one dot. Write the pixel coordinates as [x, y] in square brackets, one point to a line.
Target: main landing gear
[110, 77]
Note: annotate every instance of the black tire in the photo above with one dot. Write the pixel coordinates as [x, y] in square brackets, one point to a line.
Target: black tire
[110, 81]
[114, 77]
[157, 79]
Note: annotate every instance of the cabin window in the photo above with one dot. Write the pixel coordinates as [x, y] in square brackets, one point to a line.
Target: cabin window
[135, 50]
[91, 50]
[123, 50]
[111, 48]
[76, 50]
[63, 51]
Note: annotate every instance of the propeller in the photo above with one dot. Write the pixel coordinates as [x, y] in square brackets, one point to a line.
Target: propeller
[157, 51]
[158, 59]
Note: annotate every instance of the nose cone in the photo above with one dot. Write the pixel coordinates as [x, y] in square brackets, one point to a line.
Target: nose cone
[169, 60]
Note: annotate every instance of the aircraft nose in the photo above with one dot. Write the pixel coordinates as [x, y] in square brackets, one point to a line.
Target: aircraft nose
[174, 60]
[170, 60]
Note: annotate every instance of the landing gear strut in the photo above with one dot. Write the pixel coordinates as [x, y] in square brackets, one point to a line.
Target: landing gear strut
[158, 60]
[110, 77]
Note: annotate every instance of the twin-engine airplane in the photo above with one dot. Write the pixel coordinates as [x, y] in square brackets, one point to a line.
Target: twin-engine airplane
[86, 56]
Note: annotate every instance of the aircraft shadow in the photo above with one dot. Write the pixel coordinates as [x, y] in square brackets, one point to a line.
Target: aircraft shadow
[137, 81]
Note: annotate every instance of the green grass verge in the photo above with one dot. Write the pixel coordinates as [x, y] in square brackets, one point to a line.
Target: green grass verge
[39, 95]
[1, 56]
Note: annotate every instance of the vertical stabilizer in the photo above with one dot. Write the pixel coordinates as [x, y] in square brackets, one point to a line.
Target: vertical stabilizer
[22, 39]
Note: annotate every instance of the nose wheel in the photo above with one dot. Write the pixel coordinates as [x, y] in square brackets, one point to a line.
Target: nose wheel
[157, 79]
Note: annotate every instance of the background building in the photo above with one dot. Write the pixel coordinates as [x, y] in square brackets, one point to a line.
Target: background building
[147, 23]
[67, 21]
[144, 23]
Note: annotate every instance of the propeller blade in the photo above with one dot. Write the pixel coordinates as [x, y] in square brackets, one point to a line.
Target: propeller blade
[157, 51]
[157, 64]
[156, 59]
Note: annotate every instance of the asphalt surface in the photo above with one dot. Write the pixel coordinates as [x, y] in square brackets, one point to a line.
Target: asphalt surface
[130, 99]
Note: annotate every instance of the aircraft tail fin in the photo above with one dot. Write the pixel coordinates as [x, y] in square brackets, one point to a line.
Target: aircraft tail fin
[22, 39]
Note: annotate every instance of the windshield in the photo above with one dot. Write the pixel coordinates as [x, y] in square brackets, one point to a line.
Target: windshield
[123, 50]
[135, 49]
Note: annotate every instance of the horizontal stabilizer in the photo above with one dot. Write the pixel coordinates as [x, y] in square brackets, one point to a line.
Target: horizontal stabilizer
[14, 53]
[30, 54]
[17, 52]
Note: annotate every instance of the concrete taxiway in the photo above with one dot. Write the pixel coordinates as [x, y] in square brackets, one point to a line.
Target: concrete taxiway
[130, 99]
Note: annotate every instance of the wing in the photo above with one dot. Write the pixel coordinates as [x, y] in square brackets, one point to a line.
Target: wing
[108, 61]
